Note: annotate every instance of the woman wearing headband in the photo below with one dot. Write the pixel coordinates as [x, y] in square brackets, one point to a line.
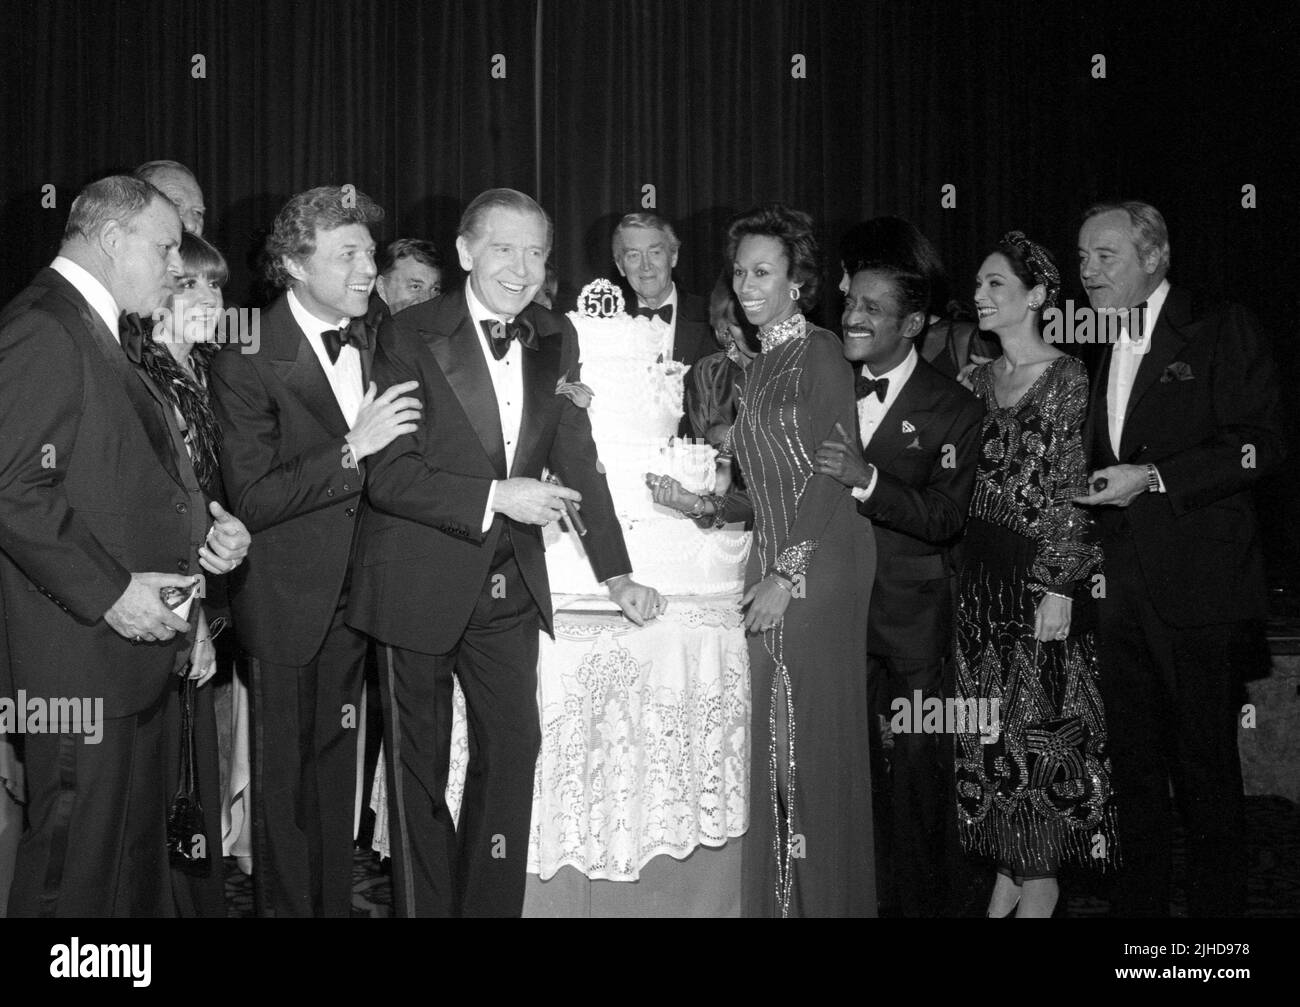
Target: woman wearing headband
[1032, 770]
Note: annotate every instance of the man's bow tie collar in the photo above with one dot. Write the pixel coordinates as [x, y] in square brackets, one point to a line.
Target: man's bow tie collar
[864, 386]
[357, 333]
[131, 334]
[499, 334]
[666, 313]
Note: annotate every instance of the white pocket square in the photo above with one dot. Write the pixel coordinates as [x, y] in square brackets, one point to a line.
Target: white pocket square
[908, 428]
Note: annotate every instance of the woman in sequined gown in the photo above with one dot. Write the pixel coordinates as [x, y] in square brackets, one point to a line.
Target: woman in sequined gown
[1033, 776]
[808, 851]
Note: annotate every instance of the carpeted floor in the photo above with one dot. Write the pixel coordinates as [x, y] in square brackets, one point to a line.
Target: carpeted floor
[1273, 828]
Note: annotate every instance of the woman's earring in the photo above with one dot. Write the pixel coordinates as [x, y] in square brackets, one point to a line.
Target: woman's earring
[794, 293]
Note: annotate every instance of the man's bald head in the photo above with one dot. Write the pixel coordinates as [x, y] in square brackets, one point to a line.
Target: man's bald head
[177, 183]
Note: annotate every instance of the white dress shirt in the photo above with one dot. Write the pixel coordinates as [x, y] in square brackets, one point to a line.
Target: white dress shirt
[95, 293]
[507, 383]
[871, 410]
[1124, 363]
[670, 336]
[344, 374]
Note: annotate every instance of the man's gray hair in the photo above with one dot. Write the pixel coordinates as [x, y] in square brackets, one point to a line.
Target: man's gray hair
[1149, 229]
[117, 197]
[650, 221]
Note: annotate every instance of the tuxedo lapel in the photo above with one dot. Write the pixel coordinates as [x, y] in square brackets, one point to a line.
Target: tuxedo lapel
[367, 354]
[1166, 343]
[541, 372]
[890, 439]
[1096, 428]
[296, 363]
[461, 359]
[147, 401]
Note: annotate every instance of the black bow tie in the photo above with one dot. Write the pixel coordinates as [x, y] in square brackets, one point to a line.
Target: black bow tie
[1138, 312]
[666, 313]
[864, 386]
[356, 334]
[130, 333]
[500, 333]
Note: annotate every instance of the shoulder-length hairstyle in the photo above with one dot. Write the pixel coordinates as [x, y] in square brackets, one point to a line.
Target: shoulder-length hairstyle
[794, 230]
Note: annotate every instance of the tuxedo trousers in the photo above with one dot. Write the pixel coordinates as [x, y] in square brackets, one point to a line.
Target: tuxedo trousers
[1173, 698]
[476, 867]
[305, 723]
[916, 833]
[96, 838]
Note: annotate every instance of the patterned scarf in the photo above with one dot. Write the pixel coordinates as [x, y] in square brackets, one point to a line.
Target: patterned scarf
[190, 397]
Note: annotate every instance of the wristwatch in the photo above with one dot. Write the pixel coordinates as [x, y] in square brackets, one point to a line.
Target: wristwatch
[1153, 479]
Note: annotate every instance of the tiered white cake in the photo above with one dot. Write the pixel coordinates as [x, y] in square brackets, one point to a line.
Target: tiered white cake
[635, 409]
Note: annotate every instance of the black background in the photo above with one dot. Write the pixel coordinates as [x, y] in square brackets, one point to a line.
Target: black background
[697, 98]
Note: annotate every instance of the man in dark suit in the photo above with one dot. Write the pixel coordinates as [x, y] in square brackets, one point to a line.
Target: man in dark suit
[410, 272]
[95, 486]
[645, 250]
[451, 572]
[1183, 421]
[912, 471]
[301, 417]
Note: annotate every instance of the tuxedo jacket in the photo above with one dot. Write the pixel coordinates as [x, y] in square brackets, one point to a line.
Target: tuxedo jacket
[290, 479]
[925, 451]
[423, 557]
[95, 484]
[693, 338]
[1204, 410]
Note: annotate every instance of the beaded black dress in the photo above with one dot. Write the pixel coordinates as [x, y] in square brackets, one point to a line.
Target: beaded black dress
[1033, 786]
[809, 849]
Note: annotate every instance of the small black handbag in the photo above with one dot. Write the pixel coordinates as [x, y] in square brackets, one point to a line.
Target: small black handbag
[186, 835]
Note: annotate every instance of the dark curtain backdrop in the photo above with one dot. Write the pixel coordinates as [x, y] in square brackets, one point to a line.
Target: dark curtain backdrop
[694, 97]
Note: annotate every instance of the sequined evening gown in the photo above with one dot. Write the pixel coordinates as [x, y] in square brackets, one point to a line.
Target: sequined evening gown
[1034, 791]
[809, 851]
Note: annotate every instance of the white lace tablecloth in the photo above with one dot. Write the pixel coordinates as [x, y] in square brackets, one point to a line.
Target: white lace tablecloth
[645, 738]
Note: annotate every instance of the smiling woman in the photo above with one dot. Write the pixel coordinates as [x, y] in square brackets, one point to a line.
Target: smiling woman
[1033, 791]
[808, 587]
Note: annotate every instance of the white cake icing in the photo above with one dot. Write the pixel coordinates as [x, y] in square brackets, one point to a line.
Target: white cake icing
[637, 404]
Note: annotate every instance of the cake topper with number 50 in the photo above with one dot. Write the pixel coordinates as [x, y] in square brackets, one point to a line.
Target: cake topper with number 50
[600, 299]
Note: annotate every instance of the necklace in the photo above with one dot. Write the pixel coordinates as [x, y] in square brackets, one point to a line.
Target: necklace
[782, 332]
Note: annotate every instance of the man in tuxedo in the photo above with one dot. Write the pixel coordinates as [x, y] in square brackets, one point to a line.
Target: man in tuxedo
[300, 418]
[1183, 421]
[451, 573]
[912, 470]
[645, 252]
[177, 183]
[410, 272]
[100, 511]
